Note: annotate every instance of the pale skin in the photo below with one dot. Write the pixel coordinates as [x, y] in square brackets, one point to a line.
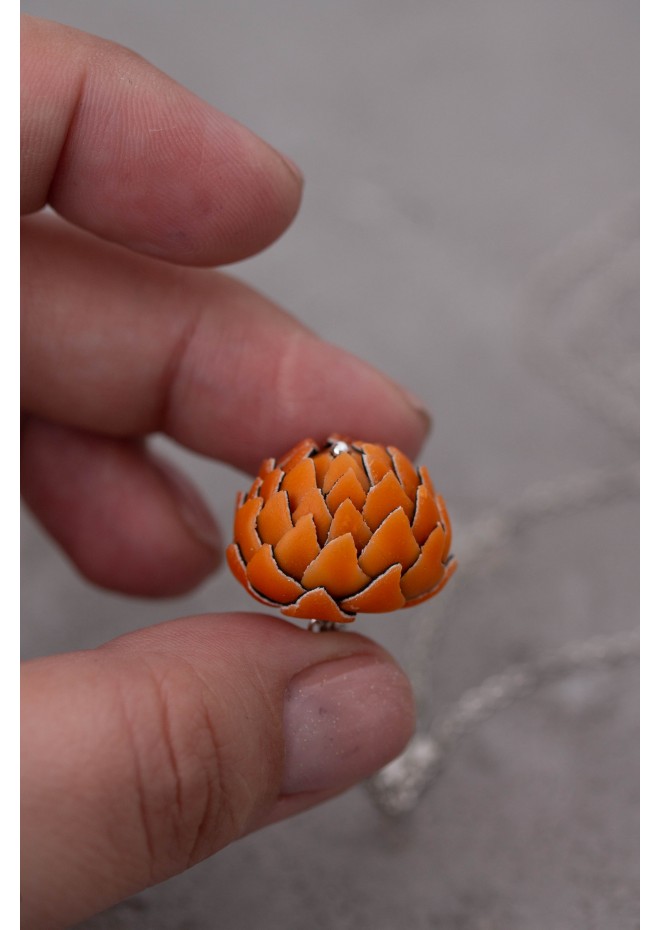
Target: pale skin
[145, 755]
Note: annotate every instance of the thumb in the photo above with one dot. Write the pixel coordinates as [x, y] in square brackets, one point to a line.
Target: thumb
[146, 755]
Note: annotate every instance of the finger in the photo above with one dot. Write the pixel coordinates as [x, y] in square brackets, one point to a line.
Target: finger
[145, 756]
[120, 149]
[119, 343]
[127, 520]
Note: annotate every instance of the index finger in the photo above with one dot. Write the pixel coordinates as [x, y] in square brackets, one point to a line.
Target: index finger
[120, 149]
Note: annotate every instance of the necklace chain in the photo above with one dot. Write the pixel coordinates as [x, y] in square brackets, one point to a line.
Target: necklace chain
[398, 787]
[573, 302]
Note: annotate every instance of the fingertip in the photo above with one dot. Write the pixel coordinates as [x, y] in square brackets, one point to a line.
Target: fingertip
[343, 720]
[122, 150]
[194, 513]
[321, 389]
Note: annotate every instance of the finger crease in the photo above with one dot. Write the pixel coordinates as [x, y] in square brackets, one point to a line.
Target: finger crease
[215, 804]
[172, 758]
[139, 780]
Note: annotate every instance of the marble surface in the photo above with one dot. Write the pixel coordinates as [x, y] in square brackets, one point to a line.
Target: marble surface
[469, 226]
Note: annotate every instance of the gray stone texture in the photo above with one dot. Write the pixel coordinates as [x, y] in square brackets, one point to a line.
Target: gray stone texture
[468, 226]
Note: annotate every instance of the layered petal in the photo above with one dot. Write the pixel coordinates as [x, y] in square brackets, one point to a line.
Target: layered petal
[245, 527]
[271, 483]
[449, 571]
[405, 472]
[347, 487]
[383, 594]
[266, 577]
[317, 605]
[313, 502]
[351, 527]
[428, 570]
[297, 548]
[342, 464]
[303, 450]
[393, 543]
[427, 515]
[298, 481]
[444, 519]
[383, 499]
[275, 518]
[377, 461]
[347, 519]
[336, 569]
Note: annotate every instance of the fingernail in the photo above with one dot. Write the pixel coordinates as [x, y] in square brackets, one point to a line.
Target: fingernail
[343, 720]
[418, 406]
[292, 166]
[192, 509]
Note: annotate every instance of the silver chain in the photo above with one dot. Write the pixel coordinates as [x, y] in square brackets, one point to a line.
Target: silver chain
[590, 266]
[492, 538]
[398, 787]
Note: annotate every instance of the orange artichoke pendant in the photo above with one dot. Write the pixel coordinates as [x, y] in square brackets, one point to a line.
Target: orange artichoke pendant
[324, 534]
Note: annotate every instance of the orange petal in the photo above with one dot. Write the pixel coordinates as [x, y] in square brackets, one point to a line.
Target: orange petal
[336, 569]
[450, 568]
[428, 569]
[238, 568]
[298, 481]
[340, 465]
[376, 461]
[426, 479]
[297, 548]
[427, 515]
[405, 471]
[317, 605]
[346, 488]
[255, 487]
[245, 527]
[384, 498]
[383, 594]
[271, 483]
[266, 466]
[337, 466]
[237, 565]
[348, 520]
[392, 543]
[322, 463]
[266, 577]
[313, 503]
[303, 450]
[360, 470]
[444, 516]
[275, 518]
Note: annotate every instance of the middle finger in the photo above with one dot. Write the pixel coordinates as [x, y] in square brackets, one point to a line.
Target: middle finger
[124, 344]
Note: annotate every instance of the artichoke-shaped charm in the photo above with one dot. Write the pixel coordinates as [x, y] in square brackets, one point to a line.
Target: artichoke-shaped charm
[326, 533]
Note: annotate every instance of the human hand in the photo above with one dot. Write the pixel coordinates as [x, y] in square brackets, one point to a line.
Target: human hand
[145, 755]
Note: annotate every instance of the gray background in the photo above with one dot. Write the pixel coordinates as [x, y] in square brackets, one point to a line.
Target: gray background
[469, 226]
